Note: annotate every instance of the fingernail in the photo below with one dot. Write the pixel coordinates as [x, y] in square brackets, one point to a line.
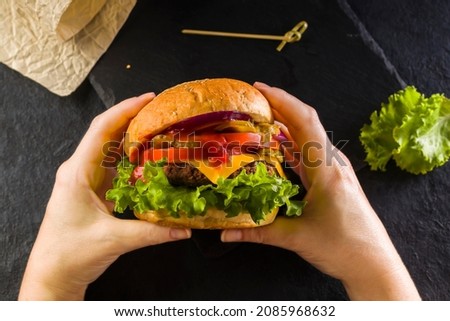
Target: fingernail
[180, 233]
[148, 95]
[260, 85]
[231, 236]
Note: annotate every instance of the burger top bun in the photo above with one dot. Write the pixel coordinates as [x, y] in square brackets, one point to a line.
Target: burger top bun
[195, 98]
[213, 219]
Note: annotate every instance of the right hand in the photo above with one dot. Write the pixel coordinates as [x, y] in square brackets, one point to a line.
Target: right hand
[338, 232]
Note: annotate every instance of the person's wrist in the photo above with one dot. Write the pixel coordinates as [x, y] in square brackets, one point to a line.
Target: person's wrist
[48, 282]
[37, 290]
[383, 280]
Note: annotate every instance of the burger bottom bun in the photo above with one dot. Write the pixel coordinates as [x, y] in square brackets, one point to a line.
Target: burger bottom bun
[213, 219]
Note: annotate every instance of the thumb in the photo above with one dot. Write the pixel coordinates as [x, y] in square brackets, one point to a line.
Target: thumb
[281, 233]
[135, 234]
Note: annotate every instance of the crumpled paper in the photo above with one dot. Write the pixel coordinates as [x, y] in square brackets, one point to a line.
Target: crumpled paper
[57, 42]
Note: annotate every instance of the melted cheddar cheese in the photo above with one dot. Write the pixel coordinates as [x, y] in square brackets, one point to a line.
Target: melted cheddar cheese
[235, 162]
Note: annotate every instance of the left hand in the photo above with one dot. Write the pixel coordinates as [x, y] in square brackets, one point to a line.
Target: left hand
[79, 238]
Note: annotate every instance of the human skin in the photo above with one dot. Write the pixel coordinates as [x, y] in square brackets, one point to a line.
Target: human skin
[79, 238]
[338, 232]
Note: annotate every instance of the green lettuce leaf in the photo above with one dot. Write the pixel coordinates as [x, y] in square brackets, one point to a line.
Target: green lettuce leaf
[257, 193]
[411, 129]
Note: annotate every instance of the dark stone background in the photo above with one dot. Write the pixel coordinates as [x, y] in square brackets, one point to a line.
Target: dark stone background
[353, 56]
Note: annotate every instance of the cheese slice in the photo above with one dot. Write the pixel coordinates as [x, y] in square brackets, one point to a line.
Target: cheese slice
[279, 169]
[235, 162]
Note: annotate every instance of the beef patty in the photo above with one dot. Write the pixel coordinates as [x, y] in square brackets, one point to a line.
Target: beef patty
[187, 175]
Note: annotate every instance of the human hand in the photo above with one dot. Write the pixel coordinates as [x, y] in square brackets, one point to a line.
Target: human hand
[79, 238]
[338, 232]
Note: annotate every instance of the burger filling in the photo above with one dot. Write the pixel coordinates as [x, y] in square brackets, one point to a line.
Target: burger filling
[232, 165]
[187, 175]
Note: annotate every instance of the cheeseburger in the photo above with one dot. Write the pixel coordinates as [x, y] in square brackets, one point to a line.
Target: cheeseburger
[205, 154]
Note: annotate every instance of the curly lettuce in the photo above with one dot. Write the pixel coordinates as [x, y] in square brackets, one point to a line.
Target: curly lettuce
[411, 129]
[257, 193]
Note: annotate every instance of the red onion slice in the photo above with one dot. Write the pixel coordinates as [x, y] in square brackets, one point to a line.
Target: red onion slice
[281, 137]
[195, 121]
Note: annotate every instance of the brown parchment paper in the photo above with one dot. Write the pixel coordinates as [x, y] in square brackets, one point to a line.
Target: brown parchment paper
[56, 43]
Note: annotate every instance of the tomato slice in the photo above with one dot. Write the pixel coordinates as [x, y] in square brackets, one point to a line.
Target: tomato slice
[209, 151]
[137, 173]
[273, 144]
[214, 152]
[214, 147]
[172, 155]
[242, 138]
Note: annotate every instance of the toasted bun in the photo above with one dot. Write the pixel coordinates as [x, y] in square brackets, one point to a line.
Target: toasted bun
[195, 98]
[213, 219]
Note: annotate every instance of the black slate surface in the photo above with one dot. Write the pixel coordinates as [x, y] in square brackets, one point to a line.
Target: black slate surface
[330, 68]
[414, 39]
[414, 36]
[343, 66]
[339, 68]
[38, 132]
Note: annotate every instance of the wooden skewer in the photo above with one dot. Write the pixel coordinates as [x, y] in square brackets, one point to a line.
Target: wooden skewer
[232, 34]
[293, 35]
